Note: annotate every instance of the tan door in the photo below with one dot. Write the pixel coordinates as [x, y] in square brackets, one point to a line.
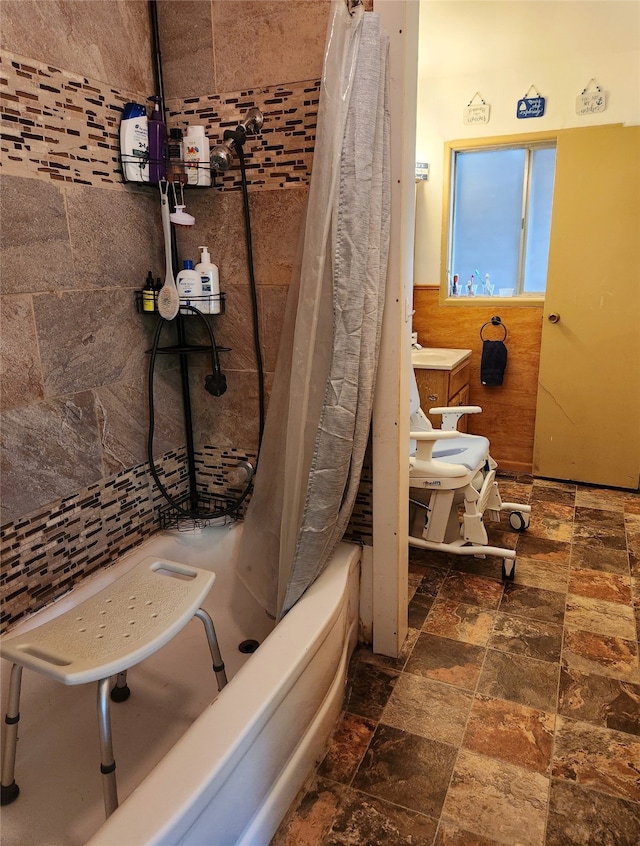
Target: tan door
[588, 406]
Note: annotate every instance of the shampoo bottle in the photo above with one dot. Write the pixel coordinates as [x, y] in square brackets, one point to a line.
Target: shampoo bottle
[189, 286]
[134, 143]
[210, 283]
[157, 143]
[196, 156]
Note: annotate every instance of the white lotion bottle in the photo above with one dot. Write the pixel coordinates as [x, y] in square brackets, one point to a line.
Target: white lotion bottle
[210, 283]
[189, 286]
[196, 156]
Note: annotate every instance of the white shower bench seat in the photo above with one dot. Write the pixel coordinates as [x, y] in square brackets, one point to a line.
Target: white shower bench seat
[104, 636]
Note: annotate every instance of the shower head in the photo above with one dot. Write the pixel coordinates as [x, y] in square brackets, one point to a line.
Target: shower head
[222, 154]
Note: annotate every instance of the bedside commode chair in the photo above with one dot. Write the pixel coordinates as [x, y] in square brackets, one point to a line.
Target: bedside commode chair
[452, 482]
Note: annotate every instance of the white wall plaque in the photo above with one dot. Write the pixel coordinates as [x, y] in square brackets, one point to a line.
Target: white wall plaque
[476, 111]
[590, 102]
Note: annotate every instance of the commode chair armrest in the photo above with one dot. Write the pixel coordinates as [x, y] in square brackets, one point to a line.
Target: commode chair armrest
[451, 414]
[426, 441]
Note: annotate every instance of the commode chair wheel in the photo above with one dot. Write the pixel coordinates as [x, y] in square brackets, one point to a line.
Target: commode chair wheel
[116, 628]
[519, 522]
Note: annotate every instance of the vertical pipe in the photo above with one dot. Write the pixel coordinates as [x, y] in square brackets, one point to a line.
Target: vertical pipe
[157, 58]
[188, 419]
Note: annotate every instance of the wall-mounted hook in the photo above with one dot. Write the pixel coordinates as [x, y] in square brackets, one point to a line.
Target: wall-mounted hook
[496, 320]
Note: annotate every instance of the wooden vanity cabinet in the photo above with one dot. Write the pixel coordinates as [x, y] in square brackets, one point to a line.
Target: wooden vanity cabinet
[444, 387]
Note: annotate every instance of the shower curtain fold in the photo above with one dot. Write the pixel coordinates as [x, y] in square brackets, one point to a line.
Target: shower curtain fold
[320, 407]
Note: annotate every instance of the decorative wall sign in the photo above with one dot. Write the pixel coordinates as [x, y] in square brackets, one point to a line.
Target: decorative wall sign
[422, 170]
[590, 102]
[530, 107]
[476, 112]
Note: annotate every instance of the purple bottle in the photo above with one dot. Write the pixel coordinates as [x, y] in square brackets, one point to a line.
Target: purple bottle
[157, 143]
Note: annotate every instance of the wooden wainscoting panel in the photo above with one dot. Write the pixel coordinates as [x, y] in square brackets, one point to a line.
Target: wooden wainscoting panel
[509, 410]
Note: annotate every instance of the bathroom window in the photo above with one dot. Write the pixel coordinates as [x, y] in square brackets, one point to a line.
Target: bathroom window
[500, 220]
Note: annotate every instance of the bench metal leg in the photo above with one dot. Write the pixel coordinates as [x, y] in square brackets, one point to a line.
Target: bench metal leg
[10, 789]
[107, 762]
[218, 663]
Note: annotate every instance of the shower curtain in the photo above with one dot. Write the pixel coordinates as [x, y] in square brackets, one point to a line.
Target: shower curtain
[320, 406]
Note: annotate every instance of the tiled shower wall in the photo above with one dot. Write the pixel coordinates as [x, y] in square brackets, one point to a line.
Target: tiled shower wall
[77, 243]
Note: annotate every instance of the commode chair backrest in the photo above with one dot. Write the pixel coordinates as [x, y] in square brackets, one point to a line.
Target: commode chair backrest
[419, 422]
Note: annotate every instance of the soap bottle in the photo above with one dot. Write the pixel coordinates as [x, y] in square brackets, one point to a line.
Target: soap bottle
[196, 156]
[148, 294]
[134, 143]
[210, 283]
[189, 285]
[157, 143]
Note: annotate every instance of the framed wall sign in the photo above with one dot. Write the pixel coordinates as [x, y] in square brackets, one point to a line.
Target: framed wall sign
[530, 106]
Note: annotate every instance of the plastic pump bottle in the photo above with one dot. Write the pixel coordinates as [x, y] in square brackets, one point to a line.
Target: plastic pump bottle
[210, 283]
[196, 156]
[157, 143]
[189, 286]
[134, 143]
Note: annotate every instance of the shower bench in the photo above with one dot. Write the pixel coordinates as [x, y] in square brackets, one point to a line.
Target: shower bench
[104, 636]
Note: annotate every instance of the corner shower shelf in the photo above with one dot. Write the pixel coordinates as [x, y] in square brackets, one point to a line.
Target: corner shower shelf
[190, 349]
[172, 519]
[195, 301]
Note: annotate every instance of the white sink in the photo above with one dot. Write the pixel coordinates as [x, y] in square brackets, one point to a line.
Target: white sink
[429, 358]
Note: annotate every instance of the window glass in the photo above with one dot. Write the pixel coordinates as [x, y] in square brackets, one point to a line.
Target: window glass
[539, 220]
[500, 220]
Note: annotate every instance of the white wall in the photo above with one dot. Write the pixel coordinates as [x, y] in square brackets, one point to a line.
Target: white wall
[500, 48]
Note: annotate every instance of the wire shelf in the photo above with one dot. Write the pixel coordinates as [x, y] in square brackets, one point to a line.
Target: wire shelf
[171, 519]
[204, 304]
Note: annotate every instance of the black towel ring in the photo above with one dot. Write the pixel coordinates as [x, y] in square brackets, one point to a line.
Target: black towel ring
[495, 321]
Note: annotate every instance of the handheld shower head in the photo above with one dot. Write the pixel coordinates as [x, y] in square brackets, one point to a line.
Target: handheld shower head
[222, 154]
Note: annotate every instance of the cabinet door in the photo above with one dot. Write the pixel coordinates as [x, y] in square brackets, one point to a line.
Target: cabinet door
[433, 387]
[462, 398]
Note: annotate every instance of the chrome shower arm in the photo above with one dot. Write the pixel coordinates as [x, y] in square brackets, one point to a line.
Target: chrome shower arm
[222, 154]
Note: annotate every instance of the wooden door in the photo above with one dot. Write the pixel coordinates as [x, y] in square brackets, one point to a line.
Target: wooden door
[588, 404]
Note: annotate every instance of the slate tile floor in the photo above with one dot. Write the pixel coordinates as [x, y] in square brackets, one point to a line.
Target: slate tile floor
[513, 714]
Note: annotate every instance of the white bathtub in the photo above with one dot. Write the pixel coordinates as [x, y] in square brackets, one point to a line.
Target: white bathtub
[192, 770]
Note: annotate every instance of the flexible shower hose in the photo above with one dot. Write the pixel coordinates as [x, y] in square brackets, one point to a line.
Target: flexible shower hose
[233, 507]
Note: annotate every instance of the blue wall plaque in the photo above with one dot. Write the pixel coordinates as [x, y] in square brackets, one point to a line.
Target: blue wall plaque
[530, 107]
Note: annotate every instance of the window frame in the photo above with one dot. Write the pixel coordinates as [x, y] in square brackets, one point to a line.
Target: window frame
[528, 140]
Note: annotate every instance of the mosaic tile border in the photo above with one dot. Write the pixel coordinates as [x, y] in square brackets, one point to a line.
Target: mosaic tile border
[46, 553]
[61, 126]
[49, 551]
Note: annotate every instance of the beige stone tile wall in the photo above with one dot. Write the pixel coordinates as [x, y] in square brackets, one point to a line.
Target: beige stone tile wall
[77, 243]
